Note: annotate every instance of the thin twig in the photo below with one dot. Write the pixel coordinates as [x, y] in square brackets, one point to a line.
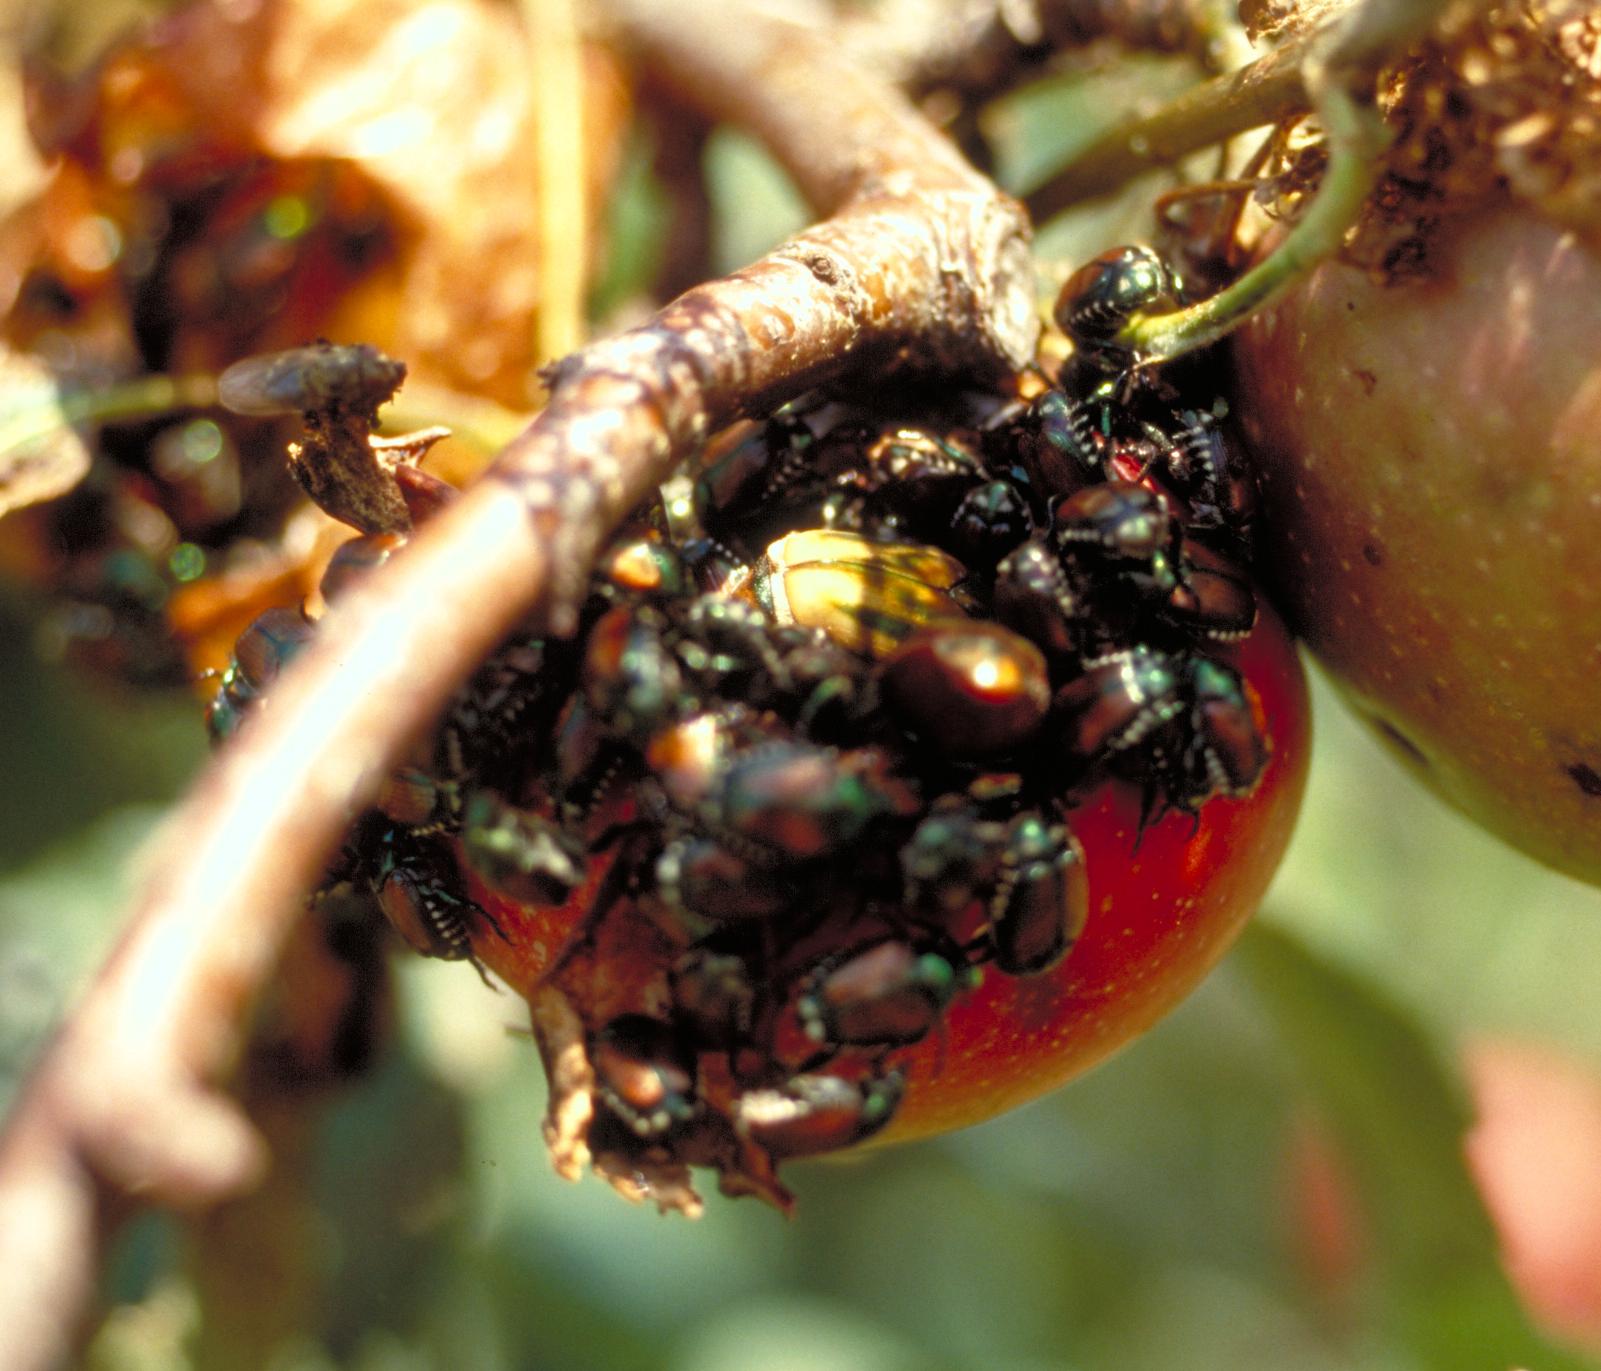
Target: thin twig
[1268, 90]
[923, 261]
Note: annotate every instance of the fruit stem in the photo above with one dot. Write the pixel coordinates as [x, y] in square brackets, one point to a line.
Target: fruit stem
[1340, 71]
[1356, 138]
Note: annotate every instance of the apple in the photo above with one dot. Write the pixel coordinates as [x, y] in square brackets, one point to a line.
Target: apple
[1430, 467]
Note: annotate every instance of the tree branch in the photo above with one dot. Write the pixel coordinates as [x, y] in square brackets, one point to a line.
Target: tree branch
[923, 261]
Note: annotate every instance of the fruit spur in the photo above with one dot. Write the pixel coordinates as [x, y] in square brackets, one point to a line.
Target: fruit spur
[916, 749]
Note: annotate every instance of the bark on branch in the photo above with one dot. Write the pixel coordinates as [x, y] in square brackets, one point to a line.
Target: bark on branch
[922, 260]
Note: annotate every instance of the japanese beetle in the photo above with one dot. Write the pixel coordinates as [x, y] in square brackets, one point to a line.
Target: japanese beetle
[1109, 290]
[921, 460]
[645, 566]
[1192, 458]
[703, 878]
[354, 560]
[888, 995]
[798, 802]
[1214, 599]
[644, 1074]
[261, 652]
[498, 722]
[713, 567]
[744, 471]
[951, 856]
[418, 888]
[816, 1113]
[1120, 527]
[518, 853]
[1062, 444]
[589, 764]
[866, 596]
[971, 688]
[1224, 753]
[820, 687]
[1190, 718]
[355, 377]
[1203, 462]
[418, 801]
[630, 676]
[1116, 703]
[1034, 596]
[713, 997]
[727, 647]
[687, 757]
[989, 522]
[1041, 902]
[916, 479]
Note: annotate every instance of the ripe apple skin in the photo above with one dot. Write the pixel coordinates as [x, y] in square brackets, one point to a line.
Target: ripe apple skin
[1430, 457]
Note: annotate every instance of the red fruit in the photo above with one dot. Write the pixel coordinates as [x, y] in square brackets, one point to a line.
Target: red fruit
[1162, 914]
[1164, 907]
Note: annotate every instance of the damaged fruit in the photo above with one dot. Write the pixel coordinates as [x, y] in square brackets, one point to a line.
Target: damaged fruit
[911, 755]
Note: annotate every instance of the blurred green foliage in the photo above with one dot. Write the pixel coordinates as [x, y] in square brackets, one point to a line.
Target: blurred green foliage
[1142, 1220]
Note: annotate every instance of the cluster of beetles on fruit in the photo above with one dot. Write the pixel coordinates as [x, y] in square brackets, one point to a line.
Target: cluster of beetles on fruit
[818, 739]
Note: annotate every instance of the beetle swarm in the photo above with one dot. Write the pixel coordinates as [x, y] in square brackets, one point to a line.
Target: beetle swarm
[807, 770]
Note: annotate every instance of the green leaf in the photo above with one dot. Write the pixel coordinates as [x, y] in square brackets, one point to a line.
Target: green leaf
[1398, 1115]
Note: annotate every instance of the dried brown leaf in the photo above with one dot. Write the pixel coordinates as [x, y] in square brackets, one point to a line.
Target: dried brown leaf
[248, 176]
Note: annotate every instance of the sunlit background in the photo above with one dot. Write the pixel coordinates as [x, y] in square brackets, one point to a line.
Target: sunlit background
[1273, 1178]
